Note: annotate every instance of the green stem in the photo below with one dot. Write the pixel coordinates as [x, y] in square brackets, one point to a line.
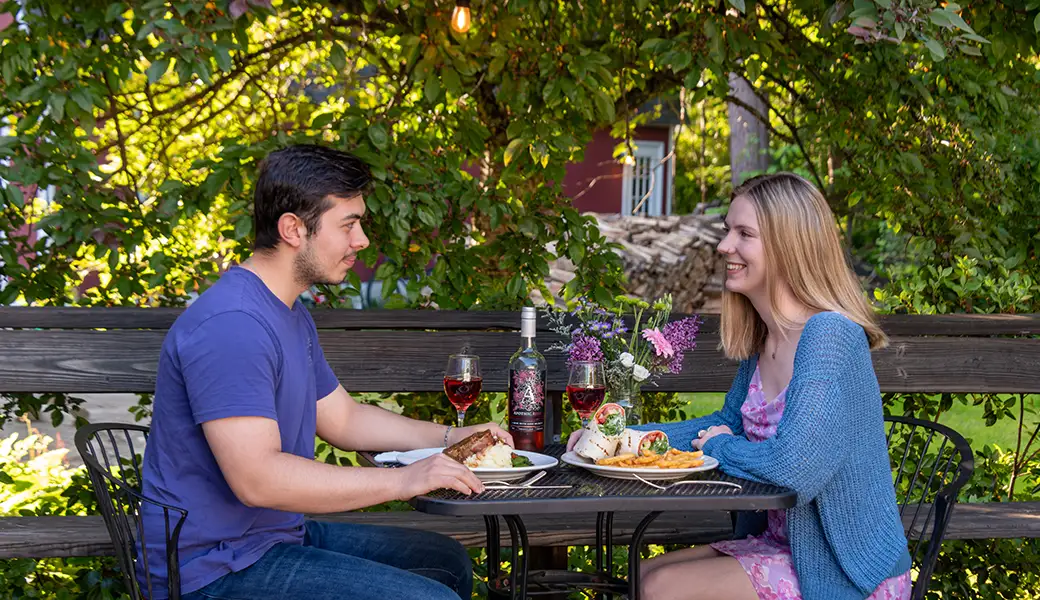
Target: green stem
[635, 331]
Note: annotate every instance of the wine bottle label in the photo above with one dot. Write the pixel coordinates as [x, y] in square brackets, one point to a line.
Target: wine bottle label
[527, 401]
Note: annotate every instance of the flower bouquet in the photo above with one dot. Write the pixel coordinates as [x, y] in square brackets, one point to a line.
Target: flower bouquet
[630, 358]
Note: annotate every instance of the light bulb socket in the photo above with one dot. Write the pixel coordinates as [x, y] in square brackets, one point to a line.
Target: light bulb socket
[462, 3]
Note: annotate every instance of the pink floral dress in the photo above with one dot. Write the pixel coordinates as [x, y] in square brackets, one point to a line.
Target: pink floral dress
[767, 558]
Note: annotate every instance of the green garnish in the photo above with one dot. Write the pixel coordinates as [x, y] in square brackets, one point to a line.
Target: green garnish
[613, 425]
[659, 446]
[521, 461]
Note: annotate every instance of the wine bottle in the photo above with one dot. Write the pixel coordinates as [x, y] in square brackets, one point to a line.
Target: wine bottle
[527, 388]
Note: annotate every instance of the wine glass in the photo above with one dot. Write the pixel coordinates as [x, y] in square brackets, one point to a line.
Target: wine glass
[462, 382]
[586, 388]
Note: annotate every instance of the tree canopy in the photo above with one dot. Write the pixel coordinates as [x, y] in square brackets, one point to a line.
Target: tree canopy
[148, 121]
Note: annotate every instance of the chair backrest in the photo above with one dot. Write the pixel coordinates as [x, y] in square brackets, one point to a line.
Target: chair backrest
[930, 465]
[112, 454]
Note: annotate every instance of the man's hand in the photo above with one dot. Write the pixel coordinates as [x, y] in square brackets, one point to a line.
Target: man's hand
[460, 433]
[706, 434]
[435, 473]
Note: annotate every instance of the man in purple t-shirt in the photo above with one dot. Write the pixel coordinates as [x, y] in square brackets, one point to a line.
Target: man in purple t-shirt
[242, 389]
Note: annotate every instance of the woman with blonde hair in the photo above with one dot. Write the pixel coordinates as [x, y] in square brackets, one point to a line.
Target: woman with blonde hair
[804, 412]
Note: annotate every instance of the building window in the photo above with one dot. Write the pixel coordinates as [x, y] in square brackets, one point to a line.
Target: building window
[645, 175]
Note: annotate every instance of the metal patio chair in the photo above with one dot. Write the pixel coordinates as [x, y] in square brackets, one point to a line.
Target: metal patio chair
[114, 466]
[930, 465]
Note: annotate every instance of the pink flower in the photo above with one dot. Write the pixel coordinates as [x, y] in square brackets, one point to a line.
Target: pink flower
[661, 344]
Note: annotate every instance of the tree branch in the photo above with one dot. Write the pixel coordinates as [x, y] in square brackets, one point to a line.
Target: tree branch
[146, 123]
[121, 142]
[243, 63]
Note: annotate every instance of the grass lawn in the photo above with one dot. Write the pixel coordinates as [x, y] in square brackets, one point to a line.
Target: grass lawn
[966, 420]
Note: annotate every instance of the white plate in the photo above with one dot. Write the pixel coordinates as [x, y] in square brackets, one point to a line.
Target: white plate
[648, 473]
[386, 457]
[538, 463]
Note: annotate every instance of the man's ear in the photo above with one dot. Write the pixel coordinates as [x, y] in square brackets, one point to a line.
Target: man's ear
[292, 230]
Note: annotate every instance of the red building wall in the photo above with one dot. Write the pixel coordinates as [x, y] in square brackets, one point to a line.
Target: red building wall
[604, 195]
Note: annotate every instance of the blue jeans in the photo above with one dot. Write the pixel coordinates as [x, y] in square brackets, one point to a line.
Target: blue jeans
[341, 561]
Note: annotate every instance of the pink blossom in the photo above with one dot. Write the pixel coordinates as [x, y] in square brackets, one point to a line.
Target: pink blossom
[661, 344]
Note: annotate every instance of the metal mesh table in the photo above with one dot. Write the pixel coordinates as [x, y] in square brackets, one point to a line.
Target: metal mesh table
[589, 493]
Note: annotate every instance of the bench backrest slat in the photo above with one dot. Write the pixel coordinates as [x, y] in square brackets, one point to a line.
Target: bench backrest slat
[163, 318]
[372, 357]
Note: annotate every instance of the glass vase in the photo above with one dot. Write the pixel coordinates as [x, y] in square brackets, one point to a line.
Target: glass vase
[626, 394]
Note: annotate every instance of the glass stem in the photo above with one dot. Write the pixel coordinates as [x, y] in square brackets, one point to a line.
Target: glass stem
[462, 417]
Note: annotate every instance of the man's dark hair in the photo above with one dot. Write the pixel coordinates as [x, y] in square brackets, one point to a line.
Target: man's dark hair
[298, 180]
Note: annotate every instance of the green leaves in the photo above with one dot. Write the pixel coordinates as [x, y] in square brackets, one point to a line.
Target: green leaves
[551, 92]
[432, 88]
[934, 48]
[113, 11]
[864, 12]
[513, 147]
[56, 104]
[223, 57]
[82, 98]
[157, 69]
[451, 80]
[377, 133]
[604, 105]
[337, 56]
[15, 195]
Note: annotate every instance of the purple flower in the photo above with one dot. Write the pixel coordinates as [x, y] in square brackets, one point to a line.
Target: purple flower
[585, 348]
[682, 335]
[661, 344]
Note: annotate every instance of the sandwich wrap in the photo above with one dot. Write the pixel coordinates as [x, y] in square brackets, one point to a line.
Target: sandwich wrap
[603, 433]
[643, 443]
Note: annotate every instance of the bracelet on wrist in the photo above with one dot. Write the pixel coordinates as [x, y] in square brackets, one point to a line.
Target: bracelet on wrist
[447, 432]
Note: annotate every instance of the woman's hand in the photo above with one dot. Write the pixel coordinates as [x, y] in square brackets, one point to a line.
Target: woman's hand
[706, 434]
[573, 440]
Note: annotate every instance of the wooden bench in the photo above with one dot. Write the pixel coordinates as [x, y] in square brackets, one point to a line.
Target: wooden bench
[61, 537]
[100, 350]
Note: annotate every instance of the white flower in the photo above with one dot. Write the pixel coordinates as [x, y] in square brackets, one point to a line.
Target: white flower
[640, 373]
[627, 359]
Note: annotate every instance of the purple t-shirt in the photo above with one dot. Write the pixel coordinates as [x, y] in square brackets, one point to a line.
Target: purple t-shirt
[236, 351]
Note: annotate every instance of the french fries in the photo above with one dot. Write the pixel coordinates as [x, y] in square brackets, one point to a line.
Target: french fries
[614, 460]
[673, 459]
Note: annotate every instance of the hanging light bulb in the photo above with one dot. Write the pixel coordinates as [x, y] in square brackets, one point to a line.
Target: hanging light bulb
[460, 17]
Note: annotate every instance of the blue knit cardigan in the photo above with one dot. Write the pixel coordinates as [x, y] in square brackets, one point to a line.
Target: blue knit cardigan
[845, 531]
